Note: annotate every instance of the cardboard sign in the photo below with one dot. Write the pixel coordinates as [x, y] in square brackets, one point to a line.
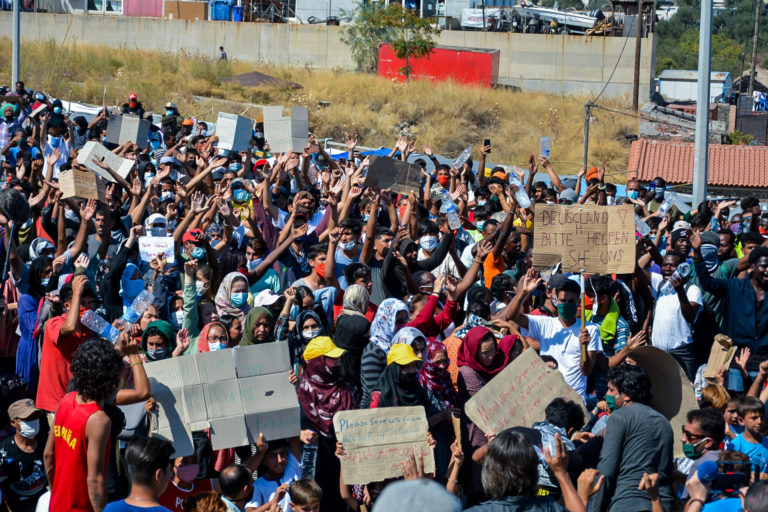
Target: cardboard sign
[81, 184]
[673, 394]
[518, 395]
[151, 246]
[93, 150]
[396, 175]
[286, 134]
[237, 393]
[378, 441]
[720, 356]
[127, 127]
[234, 132]
[586, 238]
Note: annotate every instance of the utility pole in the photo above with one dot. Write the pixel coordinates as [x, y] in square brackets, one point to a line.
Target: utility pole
[701, 144]
[638, 44]
[758, 4]
[587, 115]
[483, 6]
[15, 50]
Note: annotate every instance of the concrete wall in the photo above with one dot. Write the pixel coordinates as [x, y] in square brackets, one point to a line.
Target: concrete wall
[554, 63]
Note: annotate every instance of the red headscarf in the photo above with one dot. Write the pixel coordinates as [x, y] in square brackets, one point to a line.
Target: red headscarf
[471, 346]
[435, 378]
[202, 340]
[322, 394]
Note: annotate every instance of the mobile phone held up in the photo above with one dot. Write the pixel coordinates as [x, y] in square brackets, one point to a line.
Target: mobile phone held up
[487, 142]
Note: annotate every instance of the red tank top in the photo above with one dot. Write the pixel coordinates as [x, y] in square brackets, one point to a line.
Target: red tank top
[70, 490]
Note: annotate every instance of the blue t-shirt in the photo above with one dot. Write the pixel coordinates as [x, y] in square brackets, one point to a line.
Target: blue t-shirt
[14, 152]
[341, 263]
[757, 452]
[122, 506]
[726, 505]
[264, 489]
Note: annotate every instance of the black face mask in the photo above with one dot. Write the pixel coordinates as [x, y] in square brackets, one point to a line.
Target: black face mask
[409, 380]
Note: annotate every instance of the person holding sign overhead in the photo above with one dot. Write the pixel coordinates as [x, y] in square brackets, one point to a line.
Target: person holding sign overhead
[561, 337]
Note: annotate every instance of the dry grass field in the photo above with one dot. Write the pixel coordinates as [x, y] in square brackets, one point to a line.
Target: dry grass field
[446, 116]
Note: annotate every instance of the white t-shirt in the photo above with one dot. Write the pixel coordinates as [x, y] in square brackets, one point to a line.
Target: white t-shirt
[264, 490]
[63, 157]
[562, 343]
[446, 267]
[670, 330]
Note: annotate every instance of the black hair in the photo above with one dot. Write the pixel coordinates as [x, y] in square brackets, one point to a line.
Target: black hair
[633, 381]
[500, 285]
[757, 253]
[749, 404]
[277, 444]
[610, 188]
[227, 320]
[479, 308]
[381, 231]
[752, 237]
[355, 271]
[154, 331]
[660, 182]
[748, 203]
[602, 285]
[566, 414]
[233, 478]
[427, 227]
[302, 292]
[509, 467]
[145, 455]
[728, 232]
[711, 423]
[65, 294]
[756, 497]
[570, 286]
[700, 220]
[96, 369]
[353, 225]
[482, 191]
[677, 254]
[483, 211]
[316, 250]
[653, 222]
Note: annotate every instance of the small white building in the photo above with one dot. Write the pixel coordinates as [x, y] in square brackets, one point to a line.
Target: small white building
[682, 85]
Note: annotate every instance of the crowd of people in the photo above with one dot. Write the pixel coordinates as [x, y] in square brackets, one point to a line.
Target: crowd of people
[381, 299]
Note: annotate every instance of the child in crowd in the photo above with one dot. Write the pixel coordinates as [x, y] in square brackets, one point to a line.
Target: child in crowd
[281, 462]
[751, 442]
[305, 495]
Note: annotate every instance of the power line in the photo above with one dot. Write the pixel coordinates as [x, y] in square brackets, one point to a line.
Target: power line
[617, 62]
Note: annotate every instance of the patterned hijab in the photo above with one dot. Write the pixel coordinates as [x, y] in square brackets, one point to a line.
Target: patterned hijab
[383, 327]
[409, 336]
[356, 300]
[224, 297]
[435, 378]
[322, 393]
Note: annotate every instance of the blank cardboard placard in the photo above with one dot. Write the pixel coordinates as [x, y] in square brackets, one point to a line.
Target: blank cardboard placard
[127, 127]
[82, 184]
[518, 395]
[170, 422]
[586, 238]
[285, 134]
[93, 150]
[378, 441]
[401, 177]
[720, 356]
[234, 132]
[673, 394]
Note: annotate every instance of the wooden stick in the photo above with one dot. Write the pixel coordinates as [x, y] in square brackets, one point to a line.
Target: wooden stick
[583, 347]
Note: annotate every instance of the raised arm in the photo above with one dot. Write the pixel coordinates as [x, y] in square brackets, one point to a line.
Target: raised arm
[553, 177]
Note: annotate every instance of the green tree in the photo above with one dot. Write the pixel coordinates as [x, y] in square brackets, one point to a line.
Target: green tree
[410, 36]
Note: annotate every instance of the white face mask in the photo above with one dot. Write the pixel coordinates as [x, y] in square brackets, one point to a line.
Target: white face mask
[29, 429]
[201, 287]
[214, 347]
[158, 231]
[178, 316]
[310, 334]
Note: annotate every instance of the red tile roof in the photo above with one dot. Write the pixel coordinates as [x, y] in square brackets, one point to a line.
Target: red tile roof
[729, 166]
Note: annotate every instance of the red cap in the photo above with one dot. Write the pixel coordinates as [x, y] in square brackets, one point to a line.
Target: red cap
[260, 162]
[191, 235]
[132, 96]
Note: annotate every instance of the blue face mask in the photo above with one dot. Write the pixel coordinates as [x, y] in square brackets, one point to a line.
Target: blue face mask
[133, 288]
[197, 253]
[57, 110]
[239, 299]
[103, 140]
[348, 246]
[155, 144]
[480, 202]
[158, 353]
[366, 217]
[428, 243]
[215, 347]
[241, 195]
[301, 239]
[295, 310]
[55, 142]
[148, 177]
[235, 166]
[44, 282]
[252, 264]
[169, 112]
[480, 225]
[633, 194]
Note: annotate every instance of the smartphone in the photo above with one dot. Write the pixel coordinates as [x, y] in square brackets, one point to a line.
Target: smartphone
[487, 142]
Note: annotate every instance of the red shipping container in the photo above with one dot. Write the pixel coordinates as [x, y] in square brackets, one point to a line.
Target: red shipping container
[478, 66]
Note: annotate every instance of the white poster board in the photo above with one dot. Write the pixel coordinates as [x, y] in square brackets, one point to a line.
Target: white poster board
[286, 134]
[93, 150]
[151, 246]
[234, 132]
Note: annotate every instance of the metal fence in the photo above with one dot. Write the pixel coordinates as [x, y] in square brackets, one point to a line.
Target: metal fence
[753, 123]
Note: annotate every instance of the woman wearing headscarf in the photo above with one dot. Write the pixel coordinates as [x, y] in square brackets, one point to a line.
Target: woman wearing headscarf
[391, 316]
[481, 357]
[356, 301]
[322, 393]
[159, 341]
[352, 334]
[131, 285]
[259, 327]
[28, 308]
[232, 297]
[413, 337]
[307, 327]
[212, 338]
[434, 376]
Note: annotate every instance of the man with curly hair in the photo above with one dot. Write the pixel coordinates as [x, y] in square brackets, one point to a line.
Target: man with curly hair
[76, 453]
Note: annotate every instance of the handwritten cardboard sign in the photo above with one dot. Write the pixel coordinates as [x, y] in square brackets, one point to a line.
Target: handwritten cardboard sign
[518, 395]
[94, 150]
[237, 393]
[82, 184]
[286, 134]
[673, 394]
[378, 441]
[396, 175]
[586, 238]
[234, 132]
[151, 246]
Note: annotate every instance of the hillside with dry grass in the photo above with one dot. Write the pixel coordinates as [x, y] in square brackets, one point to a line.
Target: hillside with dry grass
[446, 116]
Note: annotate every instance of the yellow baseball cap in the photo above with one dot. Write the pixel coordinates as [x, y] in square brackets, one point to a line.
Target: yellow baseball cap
[322, 346]
[402, 354]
